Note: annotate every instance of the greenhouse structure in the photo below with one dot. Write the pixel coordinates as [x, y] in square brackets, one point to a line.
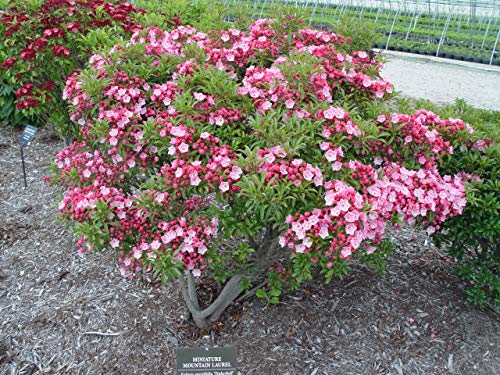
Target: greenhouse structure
[457, 29]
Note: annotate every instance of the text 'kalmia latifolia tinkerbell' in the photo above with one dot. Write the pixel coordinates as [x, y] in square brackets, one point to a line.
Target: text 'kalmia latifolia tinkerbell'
[246, 155]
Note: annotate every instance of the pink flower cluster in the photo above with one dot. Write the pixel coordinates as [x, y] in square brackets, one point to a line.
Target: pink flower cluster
[337, 230]
[276, 168]
[93, 167]
[343, 68]
[423, 135]
[233, 49]
[217, 171]
[186, 237]
[416, 194]
[481, 144]
[351, 218]
[337, 121]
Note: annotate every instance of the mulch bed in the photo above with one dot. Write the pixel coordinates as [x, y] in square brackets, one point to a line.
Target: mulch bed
[61, 313]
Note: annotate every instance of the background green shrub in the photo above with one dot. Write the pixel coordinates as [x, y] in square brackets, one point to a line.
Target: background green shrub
[473, 238]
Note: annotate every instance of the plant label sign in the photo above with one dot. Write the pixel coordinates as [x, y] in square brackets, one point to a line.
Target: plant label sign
[28, 135]
[205, 361]
[25, 140]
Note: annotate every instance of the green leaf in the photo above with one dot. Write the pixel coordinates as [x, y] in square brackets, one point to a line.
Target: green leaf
[261, 293]
[274, 300]
[275, 292]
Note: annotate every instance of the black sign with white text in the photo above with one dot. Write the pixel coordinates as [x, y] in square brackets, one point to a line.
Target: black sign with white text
[205, 361]
[28, 135]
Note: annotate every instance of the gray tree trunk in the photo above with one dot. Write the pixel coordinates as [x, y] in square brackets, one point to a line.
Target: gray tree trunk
[212, 313]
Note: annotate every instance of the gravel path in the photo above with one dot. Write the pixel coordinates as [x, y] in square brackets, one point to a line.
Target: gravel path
[442, 81]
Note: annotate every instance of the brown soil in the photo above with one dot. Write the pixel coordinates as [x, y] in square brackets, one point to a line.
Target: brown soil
[61, 313]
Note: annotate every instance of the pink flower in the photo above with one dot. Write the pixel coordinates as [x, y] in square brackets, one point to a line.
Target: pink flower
[308, 175]
[351, 216]
[177, 131]
[300, 248]
[289, 103]
[374, 190]
[337, 166]
[224, 186]
[329, 113]
[346, 252]
[282, 241]
[219, 120]
[179, 172]
[329, 198]
[350, 229]
[266, 105]
[343, 205]
[169, 237]
[323, 233]
[235, 172]
[194, 179]
[331, 155]
[183, 148]
[196, 272]
[370, 249]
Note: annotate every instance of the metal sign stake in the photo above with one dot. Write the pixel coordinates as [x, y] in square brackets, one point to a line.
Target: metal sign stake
[24, 168]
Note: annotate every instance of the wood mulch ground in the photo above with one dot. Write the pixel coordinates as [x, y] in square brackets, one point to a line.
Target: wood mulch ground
[61, 313]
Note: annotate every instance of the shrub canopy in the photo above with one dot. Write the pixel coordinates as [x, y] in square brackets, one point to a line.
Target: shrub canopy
[241, 155]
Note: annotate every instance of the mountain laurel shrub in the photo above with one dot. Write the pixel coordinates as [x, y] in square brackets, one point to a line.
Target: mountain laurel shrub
[43, 43]
[246, 156]
[473, 238]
